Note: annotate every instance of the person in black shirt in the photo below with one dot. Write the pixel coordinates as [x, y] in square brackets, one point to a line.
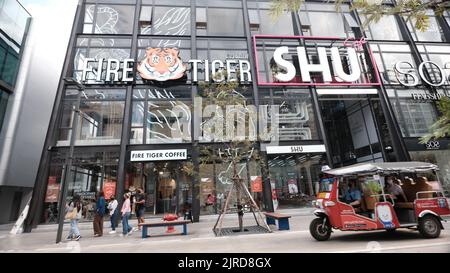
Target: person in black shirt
[140, 206]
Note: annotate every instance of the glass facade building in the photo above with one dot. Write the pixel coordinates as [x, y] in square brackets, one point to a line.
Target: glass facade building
[14, 21]
[95, 128]
[14, 25]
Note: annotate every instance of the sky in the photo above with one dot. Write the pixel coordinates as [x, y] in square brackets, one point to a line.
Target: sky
[40, 7]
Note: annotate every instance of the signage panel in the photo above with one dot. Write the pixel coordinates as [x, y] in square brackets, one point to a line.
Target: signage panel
[158, 155]
[296, 149]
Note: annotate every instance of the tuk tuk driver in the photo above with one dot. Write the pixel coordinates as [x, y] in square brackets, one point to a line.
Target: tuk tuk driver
[353, 195]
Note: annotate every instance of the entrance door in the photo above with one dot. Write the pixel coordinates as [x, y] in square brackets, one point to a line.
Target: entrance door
[165, 185]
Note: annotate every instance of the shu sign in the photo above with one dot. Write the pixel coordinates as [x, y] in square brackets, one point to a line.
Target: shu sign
[314, 61]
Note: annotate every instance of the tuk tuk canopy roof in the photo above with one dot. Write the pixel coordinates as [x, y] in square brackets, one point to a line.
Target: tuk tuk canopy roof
[383, 168]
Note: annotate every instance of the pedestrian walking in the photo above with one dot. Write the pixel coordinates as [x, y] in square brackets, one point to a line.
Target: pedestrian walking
[210, 201]
[126, 211]
[74, 211]
[140, 206]
[99, 214]
[113, 213]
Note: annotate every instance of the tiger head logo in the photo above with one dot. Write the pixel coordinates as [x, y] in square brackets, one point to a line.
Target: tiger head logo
[161, 64]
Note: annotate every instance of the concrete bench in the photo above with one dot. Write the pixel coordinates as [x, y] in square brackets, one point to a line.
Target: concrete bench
[283, 220]
[145, 226]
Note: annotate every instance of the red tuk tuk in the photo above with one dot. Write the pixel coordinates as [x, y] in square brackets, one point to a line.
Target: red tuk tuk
[420, 202]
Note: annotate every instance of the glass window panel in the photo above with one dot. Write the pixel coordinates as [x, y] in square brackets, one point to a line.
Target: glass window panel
[137, 136]
[415, 118]
[350, 20]
[137, 117]
[109, 19]
[385, 29]
[10, 69]
[296, 117]
[433, 33]
[100, 122]
[103, 94]
[227, 22]
[169, 21]
[167, 123]
[282, 26]
[327, 24]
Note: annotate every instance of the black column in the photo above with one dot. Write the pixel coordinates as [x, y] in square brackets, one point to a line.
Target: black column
[195, 145]
[126, 126]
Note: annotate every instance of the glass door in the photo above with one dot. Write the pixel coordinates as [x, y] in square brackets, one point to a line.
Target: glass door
[167, 188]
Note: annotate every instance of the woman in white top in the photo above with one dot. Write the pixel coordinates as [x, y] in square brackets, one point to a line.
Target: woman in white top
[126, 211]
[112, 207]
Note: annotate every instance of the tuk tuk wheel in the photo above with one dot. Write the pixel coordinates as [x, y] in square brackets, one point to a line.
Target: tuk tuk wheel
[320, 230]
[429, 227]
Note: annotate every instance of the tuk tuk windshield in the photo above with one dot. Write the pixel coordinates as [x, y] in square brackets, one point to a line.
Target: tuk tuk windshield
[326, 184]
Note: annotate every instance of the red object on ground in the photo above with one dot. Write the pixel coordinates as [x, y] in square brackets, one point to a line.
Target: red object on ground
[170, 217]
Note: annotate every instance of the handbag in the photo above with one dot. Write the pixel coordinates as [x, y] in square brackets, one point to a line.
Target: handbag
[72, 214]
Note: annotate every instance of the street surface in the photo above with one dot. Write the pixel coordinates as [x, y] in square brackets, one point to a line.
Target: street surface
[201, 239]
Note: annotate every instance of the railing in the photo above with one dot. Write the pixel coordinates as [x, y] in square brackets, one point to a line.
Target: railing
[384, 195]
[428, 192]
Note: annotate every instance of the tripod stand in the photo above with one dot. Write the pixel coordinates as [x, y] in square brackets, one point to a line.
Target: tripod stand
[243, 198]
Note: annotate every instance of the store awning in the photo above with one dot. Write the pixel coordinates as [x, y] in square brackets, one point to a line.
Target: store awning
[383, 168]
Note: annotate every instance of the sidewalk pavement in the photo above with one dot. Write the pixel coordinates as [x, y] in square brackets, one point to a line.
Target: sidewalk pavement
[6, 228]
[44, 236]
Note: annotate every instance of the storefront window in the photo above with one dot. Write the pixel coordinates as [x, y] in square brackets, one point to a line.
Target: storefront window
[93, 172]
[385, 29]
[100, 123]
[157, 20]
[433, 32]
[261, 22]
[440, 55]
[219, 22]
[99, 119]
[52, 195]
[387, 55]
[216, 180]
[320, 19]
[208, 189]
[158, 116]
[108, 19]
[296, 116]
[294, 179]
[415, 116]
[220, 49]
[352, 131]
[98, 48]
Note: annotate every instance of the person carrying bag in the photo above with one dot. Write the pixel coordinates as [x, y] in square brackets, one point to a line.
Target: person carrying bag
[74, 214]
